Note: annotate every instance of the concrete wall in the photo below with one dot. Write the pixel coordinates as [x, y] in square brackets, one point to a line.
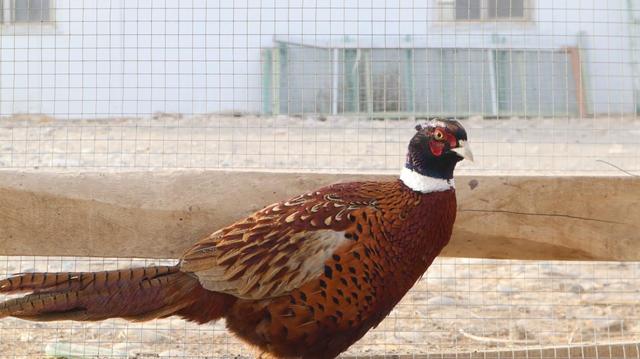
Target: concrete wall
[134, 58]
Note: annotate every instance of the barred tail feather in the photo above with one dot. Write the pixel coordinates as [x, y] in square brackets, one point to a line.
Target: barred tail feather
[136, 294]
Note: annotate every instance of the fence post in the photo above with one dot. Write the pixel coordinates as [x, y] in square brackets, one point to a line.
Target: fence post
[409, 85]
[267, 81]
[352, 88]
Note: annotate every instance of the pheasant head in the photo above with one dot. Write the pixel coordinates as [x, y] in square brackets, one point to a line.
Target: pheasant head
[435, 149]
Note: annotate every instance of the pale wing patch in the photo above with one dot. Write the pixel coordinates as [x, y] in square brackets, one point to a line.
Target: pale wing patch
[274, 271]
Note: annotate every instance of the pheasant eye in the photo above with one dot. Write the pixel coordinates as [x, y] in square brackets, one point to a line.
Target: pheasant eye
[438, 135]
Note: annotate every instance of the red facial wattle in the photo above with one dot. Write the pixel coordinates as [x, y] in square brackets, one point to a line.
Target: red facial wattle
[453, 142]
[436, 147]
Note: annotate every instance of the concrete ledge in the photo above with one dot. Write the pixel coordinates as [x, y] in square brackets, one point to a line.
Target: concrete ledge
[158, 214]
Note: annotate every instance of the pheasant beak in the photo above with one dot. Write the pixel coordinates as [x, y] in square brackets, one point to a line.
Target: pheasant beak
[463, 150]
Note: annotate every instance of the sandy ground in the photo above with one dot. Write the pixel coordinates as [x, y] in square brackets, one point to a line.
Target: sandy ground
[460, 305]
[512, 146]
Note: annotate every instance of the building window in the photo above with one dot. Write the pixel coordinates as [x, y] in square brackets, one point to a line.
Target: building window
[505, 9]
[25, 10]
[468, 10]
[31, 10]
[490, 10]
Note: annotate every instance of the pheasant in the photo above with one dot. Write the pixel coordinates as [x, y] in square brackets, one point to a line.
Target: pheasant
[302, 278]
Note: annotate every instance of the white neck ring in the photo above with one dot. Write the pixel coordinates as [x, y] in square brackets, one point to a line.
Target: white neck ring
[425, 184]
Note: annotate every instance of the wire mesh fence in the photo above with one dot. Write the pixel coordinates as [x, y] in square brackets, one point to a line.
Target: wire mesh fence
[461, 305]
[560, 146]
[543, 88]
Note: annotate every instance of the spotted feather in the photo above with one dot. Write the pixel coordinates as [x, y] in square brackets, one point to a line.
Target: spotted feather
[278, 248]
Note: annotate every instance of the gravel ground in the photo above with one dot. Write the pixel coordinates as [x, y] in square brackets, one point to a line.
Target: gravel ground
[460, 305]
[510, 146]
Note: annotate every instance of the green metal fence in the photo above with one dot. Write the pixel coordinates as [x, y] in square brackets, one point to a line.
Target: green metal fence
[421, 82]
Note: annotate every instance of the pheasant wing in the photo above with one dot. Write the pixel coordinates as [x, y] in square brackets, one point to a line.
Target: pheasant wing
[281, 247]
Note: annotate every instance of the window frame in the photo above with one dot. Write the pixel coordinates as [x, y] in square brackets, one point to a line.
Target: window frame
[497, 10]
[480, 11]
[528, 10]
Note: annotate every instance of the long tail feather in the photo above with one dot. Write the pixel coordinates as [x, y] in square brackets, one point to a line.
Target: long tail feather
[135, 294]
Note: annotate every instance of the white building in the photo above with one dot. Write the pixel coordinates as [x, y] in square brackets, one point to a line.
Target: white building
[73, 58]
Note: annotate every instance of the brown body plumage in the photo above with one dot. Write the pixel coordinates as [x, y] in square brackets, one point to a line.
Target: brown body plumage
[301, 278]
[387, 251]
